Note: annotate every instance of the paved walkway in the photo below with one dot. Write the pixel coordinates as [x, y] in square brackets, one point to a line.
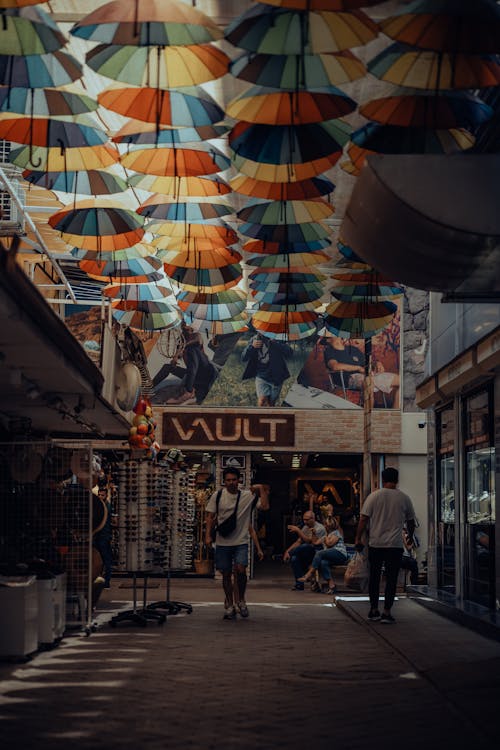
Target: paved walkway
[302, 672]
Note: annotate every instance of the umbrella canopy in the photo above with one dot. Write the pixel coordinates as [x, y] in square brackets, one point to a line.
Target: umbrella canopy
[29, 31]
[205, 279]
[285, 294]
[38, 71]
[191, 244]
[181, 187]
[156, 208]
[283, 330]
[44, 102]
[358, 319]
[222, 232]
[128, 253]
[148, 321]
[138, 292]
[146, 133]
[308, 232]
[288, 263]
[219, 306]
[288, 32]
[435, 71]
[91, 182]
[148, 23]
[269, 278]
[128, 271]
[267, 248]
[49, 132]
[286, 212]
[391, 139]
[145, 306]
[282, 191]
[299, 307]
[163, 67]
[61, 160]
[455, 110]
[289, 107]
[216, 258]
[220, 327]
[447, 25]
[163, 107]
[98, 227]
[174, 162]
[291, 316]
[298, 71]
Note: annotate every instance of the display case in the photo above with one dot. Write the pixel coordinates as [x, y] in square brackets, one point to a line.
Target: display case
[445, 443]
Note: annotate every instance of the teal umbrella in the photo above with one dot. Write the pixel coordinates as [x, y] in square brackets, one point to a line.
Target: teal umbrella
[29, 31]
[38, 71]
[298, 71]
[81, 182]
[44, 102]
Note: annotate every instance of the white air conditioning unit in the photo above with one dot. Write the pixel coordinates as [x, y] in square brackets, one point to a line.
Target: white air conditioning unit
[11, 215]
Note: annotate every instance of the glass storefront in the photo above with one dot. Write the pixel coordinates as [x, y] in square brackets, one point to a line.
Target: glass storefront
[446, 499]
[479, 518]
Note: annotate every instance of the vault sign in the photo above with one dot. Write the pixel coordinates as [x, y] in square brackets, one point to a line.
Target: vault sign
[210, 430]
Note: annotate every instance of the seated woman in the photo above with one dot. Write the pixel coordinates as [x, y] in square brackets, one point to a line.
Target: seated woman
[334, 553]
[386, 382]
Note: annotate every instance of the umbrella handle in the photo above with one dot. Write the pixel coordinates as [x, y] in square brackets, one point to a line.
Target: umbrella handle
[32, 161]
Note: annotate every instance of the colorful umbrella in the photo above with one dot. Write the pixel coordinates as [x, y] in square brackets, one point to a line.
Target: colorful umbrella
[298, 71]
[269, 278]
[162, 67]
[140, 250]
[447, 26]
[219, 306]
[174, 162]
[144, 321]
[284, 330]
[98, 227]
[272, 248]
[455, 110]
[292, 316]
[159, 207]
[286, 212]
[39, 71]
[127, 271]
[289, 107]
[138, 292]
[49, 132]
[285, 294]
[216, 258]
[309, 232]
[29, 31]
[221, 231]
[91, 182]
[61, 160]
[206, 279]
[150, 306]
[44, 102]
[191, 244]
[181, 187]
[299, 307]
[147, 23]
[220, 327]
[146, 133]
[311, 188]
[435, 71]
[391, 139]
[288, 263]
[163, 107]
[283, 32]
[358, 319]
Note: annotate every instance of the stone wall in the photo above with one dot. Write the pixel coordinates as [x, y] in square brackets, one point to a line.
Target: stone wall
[415, 342]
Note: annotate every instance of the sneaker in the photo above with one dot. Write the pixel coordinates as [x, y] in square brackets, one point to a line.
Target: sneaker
[298, 587]
[374, 615]
[387, 619]
[188, 397]
[243, 609]
[229, 613]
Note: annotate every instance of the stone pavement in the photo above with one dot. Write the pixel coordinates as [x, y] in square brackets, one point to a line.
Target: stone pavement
[303, 671]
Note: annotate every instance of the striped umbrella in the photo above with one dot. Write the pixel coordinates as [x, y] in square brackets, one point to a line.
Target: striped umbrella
[181, 187]
[206, 279]
[358, 319]
[140, 250]
[278, 213]
[146, 133]
[29, 31]
[62, 160]
[98, 226]
[146, 321]
[126, 271]
[216, 258]
[191, 244]
[174, 162]
[288, 263]
[282, 191]
[82, 182]
[272, 248]
[44, 102]
[222, 231]
[269, 106]
[238, 323]
[298, 71]
[38, 71]
[218, 306]
[307, 232]
[138, 292]
[159, 207]
[163, 107]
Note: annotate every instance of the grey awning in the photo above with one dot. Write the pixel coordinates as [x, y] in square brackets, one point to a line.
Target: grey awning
[429, 221]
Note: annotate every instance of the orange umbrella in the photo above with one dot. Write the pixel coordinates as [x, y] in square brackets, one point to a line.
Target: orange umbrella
[282, 191]
[148, 22]
[146, 133]
[181, 187]
[163, 107]
[221, 232]
[64, 160]
[299, 71]
[205, 279]
[216, 258]
[50, 132]
[128, 272]
[263, 247]
[172, 162]
[288, 263]
[289, 107]
[95, 226]
[191, 244]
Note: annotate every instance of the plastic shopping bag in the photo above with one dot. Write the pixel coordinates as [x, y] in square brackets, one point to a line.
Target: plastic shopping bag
[357, 572]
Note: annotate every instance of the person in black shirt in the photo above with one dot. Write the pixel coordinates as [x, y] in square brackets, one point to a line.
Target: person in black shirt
[345, 362]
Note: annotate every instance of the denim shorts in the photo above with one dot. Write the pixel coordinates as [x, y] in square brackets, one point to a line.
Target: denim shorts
[264, 388]
[227, 556]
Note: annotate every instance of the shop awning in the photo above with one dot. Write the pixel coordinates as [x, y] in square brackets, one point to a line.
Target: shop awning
[430, 221]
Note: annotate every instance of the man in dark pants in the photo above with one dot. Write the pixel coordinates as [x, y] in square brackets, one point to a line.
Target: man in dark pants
[309, 540]
[384, 513]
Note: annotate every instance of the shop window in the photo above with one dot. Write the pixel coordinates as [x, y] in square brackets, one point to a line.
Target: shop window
[445, 423]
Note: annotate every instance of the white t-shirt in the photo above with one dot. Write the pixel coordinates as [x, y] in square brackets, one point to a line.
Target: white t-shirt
[226, 506]
[388, 511]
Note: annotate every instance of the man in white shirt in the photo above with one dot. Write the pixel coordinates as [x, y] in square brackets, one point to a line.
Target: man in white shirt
[385, 513]
[231, 549]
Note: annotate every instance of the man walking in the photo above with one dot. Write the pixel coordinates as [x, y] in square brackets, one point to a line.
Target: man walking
[384, 513]
[231, 549]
